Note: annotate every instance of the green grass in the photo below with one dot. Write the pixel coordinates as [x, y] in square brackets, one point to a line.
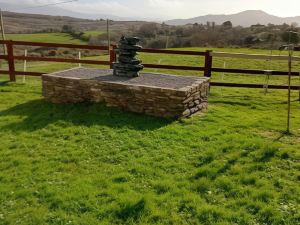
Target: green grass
[89, 164]
[45, 37]
[93, 33]
[196, 61]
[51, 37]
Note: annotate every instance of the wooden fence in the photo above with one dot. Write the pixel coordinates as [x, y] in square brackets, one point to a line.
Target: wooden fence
[207, 68]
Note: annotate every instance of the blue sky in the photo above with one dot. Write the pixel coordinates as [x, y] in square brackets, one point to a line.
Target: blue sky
[168, 9]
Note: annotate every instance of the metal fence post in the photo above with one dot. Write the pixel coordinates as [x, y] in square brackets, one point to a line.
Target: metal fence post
[25, 65]
[11, 61]
[79, 57]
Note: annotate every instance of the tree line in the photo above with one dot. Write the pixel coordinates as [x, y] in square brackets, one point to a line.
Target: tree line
[155, 35]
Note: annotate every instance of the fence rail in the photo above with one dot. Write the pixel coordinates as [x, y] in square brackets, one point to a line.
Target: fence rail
[253, 72]
[172, 52]
[207, 68]
[54, 45]
[252, 56]
[238, 85]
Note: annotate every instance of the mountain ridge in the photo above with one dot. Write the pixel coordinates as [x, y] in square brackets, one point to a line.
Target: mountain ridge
[245, 19]
[31, 23]
[56, 11]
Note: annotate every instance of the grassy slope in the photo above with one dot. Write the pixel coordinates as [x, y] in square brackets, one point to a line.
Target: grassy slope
[51, 37]
[45, 37]
[93, 33]
[88, 164]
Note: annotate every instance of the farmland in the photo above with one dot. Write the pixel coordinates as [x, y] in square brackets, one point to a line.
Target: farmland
[188, 61]
[51, 37]
[89, 164]
[45, 37]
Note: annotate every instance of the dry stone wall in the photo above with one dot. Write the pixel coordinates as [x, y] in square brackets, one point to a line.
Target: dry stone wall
[135, 97]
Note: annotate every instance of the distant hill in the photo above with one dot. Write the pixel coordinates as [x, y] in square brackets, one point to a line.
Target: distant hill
[245, 19]
[28, 23]
[56, 11]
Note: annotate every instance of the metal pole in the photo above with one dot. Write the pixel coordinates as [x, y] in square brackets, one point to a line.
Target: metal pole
[25, 65]
[2, 31]
[289, 90]
[79, 57]
[108, 34]
[167, 41]
[223, 74]
[289, 84]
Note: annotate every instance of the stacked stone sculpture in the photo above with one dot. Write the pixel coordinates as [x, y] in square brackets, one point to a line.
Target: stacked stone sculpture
[127, 64]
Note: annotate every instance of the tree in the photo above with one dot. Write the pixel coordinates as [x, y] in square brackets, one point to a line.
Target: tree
[287, 37]
[227, 25]
[148, 30]
[208, 25]
[67, 29]
[213, 24]
[294, 25]
[251, 39]
[179, 31]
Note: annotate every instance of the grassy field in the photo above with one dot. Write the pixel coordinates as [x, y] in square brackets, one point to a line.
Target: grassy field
[195, 61]
[89, 164]
[93, 33]
[51, 37]
[45, 37]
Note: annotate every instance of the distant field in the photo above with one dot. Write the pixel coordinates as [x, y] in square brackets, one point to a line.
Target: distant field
[45, 37]
[52, 37]
[93, 33]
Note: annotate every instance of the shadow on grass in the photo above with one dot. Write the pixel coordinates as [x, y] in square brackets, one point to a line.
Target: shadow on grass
[39, 114]
[229, 102]
[4, 83]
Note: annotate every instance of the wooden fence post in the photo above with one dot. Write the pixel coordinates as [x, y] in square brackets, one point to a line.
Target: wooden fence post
[113, 55]
[11, 61]
[208, 64]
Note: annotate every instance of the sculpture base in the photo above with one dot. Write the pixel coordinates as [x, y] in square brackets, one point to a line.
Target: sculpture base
[153, 94]
[126, 74]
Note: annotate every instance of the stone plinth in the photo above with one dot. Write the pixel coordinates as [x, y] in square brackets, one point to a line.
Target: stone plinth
[153, 94]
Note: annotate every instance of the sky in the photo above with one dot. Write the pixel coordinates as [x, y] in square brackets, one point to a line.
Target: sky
[163, 9]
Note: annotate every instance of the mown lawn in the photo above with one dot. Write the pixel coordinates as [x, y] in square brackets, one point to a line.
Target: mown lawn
[89, 164]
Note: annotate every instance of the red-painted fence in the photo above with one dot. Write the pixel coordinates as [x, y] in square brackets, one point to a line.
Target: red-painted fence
[206, 68]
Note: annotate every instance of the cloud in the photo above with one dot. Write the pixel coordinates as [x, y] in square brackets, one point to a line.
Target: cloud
[163, 9]
[165, 3]
[28, 2]
[123, 8]
[128, 8]
[111, 7]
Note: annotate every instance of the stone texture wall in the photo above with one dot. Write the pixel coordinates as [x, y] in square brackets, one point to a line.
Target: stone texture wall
[153, 101]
